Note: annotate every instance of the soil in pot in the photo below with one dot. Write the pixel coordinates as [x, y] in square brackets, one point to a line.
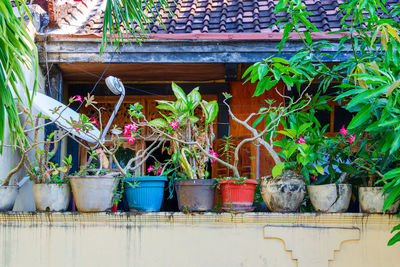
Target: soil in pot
[237, 195]
[93, 193]
[372, 200]
[146, 194]
[284, 193]
[195, 194]
[330, 197]
[8, 195]
[51, 197]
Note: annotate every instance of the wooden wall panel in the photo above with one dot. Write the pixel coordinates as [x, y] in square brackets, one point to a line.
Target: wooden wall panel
[243, 104]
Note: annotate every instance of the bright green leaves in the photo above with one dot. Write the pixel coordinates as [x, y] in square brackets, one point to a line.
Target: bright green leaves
[210, 110]
[132, 16]
[17, 50]
[277, 169]
[361, 117]
[161, 123]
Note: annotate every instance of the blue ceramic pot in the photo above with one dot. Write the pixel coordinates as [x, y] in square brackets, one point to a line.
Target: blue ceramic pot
[147, 193]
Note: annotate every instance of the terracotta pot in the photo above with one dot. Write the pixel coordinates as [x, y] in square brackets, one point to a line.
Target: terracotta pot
[51, 197]
[237, 195]
[330, 197]
[195, 194]
[8, 195]
[92, 193]
[371, 200]
[284, 193]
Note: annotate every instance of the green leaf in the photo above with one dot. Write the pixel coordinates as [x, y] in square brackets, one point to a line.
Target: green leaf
[277, 169]
[160, 123]
[178, 92]
[212, 111]
[319, 169]
[394, 239]
[363, 115]
[194, 98]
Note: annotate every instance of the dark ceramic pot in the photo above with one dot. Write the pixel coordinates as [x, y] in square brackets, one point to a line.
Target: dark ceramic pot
[195, 194]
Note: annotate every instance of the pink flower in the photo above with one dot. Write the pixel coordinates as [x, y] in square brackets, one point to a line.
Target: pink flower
[301, 140]
[352, 138]
[128, 128]
[313, 178]
[343, 131]
[75, 98]
[214, 154]
[94, 121]
[149, 169]
[131, 139]
[76, 128]
[159, 172]
[174, 124]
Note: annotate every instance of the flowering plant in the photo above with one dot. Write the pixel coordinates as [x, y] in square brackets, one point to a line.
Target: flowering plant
[186, 125]
[300, 147]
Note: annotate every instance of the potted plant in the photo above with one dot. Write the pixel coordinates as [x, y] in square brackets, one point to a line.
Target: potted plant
[51, 190]
[328, 191]
[284, 191]
[368, 169]
[188, 138]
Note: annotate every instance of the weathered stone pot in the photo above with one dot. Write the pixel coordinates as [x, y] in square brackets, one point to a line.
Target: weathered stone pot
[371, 200]
[8, 195]
[284, 193]
[51, 197]
[330, 197]
[195, 194]
[93, 193]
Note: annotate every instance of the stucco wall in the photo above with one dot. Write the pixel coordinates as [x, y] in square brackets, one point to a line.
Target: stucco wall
[176, 239]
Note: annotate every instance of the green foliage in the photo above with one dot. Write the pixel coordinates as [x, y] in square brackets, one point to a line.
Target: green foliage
[17, 51]
[134, 17]
[369, 84]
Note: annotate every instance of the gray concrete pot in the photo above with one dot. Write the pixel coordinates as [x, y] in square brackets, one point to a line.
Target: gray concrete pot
[284, 193]
[371, 200]
[330, 197]
[8, 195]
[93, 193]
[195, 194]
[51, 197]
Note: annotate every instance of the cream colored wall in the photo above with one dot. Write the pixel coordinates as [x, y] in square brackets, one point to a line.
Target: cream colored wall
[164, 239]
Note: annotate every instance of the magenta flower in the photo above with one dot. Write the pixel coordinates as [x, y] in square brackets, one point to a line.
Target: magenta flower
[94, 121]
[174, 124]
[131, 139]
[352, 138]
[149, 169]
[76, 128]
[343, 131]
[159, 172]
[301, 140]
[214, 154]
[128, 128]
[75, 98]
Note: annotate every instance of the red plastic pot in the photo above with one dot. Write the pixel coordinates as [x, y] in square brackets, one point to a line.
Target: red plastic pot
[237, 195]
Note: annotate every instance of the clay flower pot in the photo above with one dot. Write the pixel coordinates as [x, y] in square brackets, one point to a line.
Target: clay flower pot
[195, 194]
[51, 197]
[284, 193]
[93, 193]
[371, 200]
[330, 197]
[237, 195]
[8, 195]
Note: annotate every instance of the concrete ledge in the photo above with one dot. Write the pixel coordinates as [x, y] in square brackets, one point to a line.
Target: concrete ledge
[208, 239]
[200, 218]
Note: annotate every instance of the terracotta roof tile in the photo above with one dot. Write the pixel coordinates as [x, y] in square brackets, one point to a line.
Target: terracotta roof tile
[207, 16]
